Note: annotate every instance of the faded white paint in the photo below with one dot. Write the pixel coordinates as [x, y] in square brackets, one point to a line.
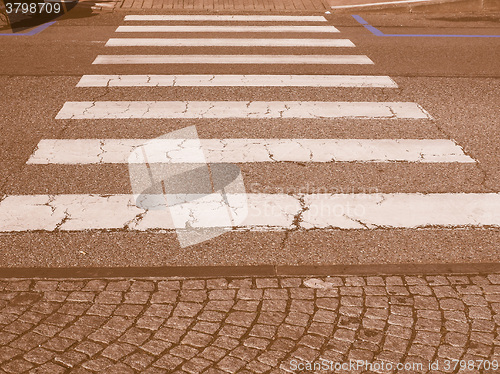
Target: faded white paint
[358, 211]
[118, 151]
[375, 4]
[227, 42]
[233, 59]
[203, 17]
[227, 28]
[200, 80]
[265, 212]
[238, 109]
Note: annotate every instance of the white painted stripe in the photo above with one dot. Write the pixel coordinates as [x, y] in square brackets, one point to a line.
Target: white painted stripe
[179, 29]
[238, 109]
[200, 17]
[236, 80]
[379, 4]
[227, 42]
[118, 151]
[233, 59]
[265, 212]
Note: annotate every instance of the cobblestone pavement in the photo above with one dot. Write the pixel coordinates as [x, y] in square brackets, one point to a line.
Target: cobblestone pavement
[228, 5]
[246, 325]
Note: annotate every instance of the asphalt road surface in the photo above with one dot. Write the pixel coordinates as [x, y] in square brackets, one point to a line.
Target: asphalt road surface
[402, 130]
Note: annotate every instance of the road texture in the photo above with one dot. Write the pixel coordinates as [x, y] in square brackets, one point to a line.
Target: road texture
[453, 80]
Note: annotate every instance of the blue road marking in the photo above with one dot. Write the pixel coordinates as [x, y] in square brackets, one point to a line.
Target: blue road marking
[34, 31]
[377, 32]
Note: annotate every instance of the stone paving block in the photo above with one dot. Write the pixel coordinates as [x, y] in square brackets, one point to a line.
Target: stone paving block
[150, 323]
[193, 284]
[139, 361]
[101, 310]
[119, 368]
[109, 297]
[290, 282]
[165, 285]
[274, 305]
[258, 343]
[222, 294]
[351, 291]
[240, 283]
[70, 358]
[302, 306]
[479, 313]
[45, 285]
[302, 293]
[213, 353]
[244, 319]
[429, 314]
[89, 348]
[187, 328]
[122, 285]
[159, 310]
[196, 339]
[58, 344]
[95, 285]
[184, 351]
[17, 327]
[180, 323]
[244, 353]
[20, 285]
[57, 296]
[217, 284]
[128, 310]
[135, 336]
[104, 335]
[257, 367]
[494, 278]
[193, 295]
[98, 364]
[250, 294]
[352, 311]
[233, 331]
[118, 350]
[266, 283]
[136, 297]
[226, 342]
[196, 365]
[6, 353]
[138, 286]
[76, 332]
[48, 368]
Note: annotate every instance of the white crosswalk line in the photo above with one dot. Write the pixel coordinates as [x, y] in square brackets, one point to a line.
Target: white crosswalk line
[118, 151]
[226, 29]
[239, 109]
[202, 17]
[206, 80]
[269, 212]
[233, 59]
[266, 212]
[227, 42]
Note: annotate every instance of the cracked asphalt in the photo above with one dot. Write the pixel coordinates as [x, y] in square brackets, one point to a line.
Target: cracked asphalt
[129, 299]
[454, 80]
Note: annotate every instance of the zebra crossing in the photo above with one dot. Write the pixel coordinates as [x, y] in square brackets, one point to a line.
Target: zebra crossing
[266, 211]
